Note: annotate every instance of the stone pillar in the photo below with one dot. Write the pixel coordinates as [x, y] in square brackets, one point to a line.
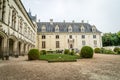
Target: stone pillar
[4, 10]
[15, 49]
[29, 47]
[1, 7]
[26, 49]
[6, 48]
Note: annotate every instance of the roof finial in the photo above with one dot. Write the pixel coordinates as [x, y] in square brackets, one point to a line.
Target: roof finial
[64, 21]
[29, 11]
[87, 21]
[82, 21]
[51, 21]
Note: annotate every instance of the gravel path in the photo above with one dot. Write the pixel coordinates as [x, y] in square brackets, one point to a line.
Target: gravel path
[101, 67]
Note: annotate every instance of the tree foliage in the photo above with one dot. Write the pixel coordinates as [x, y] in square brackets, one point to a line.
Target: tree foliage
[111, 39]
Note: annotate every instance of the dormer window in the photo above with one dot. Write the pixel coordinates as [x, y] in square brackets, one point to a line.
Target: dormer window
[93, 29]
[70, 28]
[57, 28]
[82, 29]
[43, 28]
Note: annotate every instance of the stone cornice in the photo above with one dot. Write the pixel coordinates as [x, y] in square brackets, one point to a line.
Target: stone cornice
[69, 33]
[24, 12]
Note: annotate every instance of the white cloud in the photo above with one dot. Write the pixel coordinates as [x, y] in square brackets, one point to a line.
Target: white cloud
[103, 13]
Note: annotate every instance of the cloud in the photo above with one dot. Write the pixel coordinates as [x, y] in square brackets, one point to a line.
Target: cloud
[102, 13]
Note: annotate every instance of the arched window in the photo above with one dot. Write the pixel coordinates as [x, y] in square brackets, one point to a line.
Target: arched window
[57, 28]
[93, 29]
[20, 25]
[25, 28]
[82, 28]
[13, 18]
[43, 28]
[70, 28]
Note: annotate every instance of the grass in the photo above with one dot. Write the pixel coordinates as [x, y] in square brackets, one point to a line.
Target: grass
[59, 57]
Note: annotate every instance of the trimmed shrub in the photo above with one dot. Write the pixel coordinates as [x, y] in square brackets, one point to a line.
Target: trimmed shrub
[86, 52]
[59, 51]
[33, 54]
[67, 51]
[43, 52]
[72, 52]
[97, 50]
[116, 49]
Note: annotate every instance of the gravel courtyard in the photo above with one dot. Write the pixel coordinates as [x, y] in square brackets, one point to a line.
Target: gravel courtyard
[101, 67]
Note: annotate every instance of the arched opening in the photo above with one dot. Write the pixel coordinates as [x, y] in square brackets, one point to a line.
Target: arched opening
[19, 48]
[1, 40]
[24, 48]
[11, 47]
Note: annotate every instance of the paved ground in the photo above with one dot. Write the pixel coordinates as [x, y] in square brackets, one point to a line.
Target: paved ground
[101, 67]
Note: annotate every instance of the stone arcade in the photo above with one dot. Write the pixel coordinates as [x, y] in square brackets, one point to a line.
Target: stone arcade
[17, 30]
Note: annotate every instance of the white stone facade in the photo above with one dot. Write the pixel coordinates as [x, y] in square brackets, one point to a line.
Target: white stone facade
[67, 35]
[17, 30]
[65, 42]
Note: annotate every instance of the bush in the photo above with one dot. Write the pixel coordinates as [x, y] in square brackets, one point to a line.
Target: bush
[43, 52]
[97, 50]
[102, 50]
[72, 52]
[116, 49]
[67, 51]
[59, 51]
[33, 54]
[109, 52]
[86, 52]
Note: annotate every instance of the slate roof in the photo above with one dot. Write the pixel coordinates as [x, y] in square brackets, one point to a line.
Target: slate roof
[63, 27]
[34, 18]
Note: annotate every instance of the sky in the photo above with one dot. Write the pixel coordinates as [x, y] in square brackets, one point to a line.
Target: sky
[104, 14]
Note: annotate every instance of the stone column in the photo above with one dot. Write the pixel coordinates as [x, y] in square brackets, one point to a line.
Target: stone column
[15, 49]
[27, 48]
[4, 10]
[6, 48]
[1, 7]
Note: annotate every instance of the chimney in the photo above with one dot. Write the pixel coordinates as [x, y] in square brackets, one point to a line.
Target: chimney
[29, 13]
[82, 21]
[39, 20]
[64, 21]
[51, 21]
[35, 17]
[73, 21]
[87, 21]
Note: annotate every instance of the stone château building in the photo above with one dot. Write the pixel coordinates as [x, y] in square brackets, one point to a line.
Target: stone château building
[17, 30]
[67, 35]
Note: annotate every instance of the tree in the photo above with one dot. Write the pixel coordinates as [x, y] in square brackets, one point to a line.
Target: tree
[111, 39]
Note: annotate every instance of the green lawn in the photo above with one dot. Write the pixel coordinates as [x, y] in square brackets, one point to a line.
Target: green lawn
[59, 57]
